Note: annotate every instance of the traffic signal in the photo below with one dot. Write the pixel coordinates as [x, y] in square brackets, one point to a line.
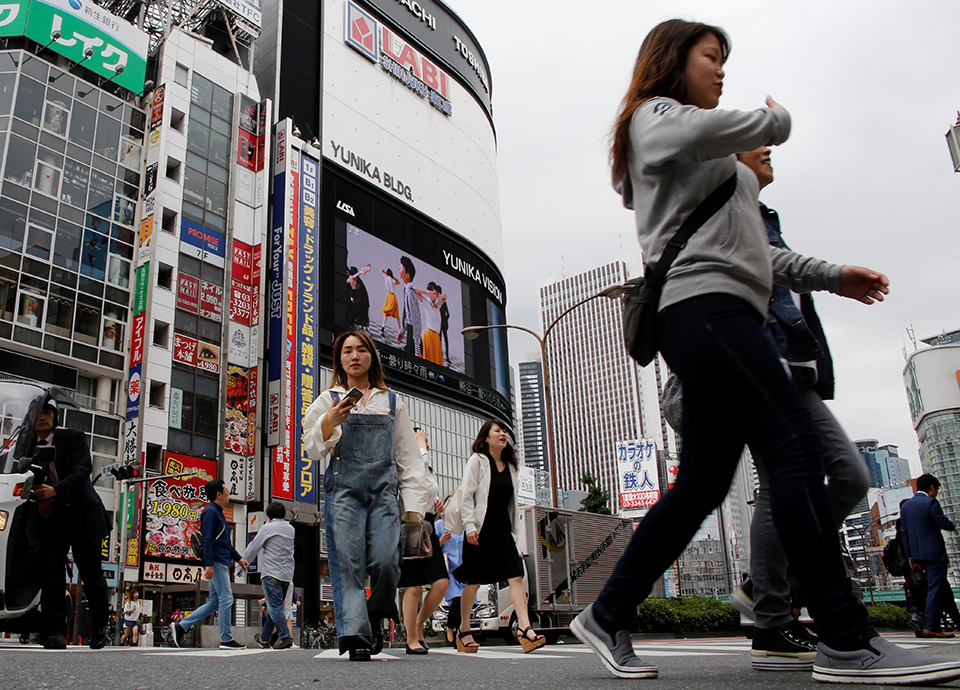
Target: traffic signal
[134, 471]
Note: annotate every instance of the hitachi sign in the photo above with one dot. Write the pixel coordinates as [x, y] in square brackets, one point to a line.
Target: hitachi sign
[420, 13]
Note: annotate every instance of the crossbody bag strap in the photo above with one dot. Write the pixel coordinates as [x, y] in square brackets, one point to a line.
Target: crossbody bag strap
[657, 274]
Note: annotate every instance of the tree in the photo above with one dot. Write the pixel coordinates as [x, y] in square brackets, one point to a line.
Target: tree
[598, 498]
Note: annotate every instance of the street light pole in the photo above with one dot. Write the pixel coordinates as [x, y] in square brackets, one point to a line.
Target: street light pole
[473, 332]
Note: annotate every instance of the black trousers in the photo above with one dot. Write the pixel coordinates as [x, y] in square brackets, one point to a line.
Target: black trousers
[58, 534]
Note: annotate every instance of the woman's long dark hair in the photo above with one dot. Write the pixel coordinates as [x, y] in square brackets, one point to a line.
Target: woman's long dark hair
[374, 375]
[480, 445]
[658, 71]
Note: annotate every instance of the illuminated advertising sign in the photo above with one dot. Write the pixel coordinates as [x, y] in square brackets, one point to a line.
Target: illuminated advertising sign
[413, 286]
[637, 473]
[375, 41]
[205, 244]
[188, 293]
[105, 43]
[275, 292]
[174, 506]
[308, 312]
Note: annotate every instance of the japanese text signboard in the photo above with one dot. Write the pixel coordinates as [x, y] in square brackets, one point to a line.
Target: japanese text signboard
[105, 43]
[637, 473]
[174, 506]
[307, 311]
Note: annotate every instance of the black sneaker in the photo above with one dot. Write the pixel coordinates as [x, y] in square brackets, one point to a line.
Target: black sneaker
[176, 634]
[360, 654]
[99, 641]
[232, 644]
[787, 648]
[263, 644]
[283, 644]
[55, 642]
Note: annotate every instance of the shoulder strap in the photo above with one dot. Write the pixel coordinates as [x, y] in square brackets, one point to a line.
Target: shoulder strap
[701, 214]
[393, 402]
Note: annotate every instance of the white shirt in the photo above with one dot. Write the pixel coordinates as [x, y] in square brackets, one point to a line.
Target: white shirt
[132, 610]
[431, 316]
[406, 450]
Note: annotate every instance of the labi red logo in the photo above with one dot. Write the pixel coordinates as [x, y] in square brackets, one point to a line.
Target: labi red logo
[362, 31]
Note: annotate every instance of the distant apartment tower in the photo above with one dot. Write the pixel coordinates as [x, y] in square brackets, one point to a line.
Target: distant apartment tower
[597, 390]
[533, 418]
[887, 468]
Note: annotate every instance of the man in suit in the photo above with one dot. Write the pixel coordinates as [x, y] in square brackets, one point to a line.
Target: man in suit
[921, 522]
[71, 515]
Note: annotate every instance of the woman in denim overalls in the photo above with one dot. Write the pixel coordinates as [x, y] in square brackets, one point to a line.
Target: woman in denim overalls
[372, 455]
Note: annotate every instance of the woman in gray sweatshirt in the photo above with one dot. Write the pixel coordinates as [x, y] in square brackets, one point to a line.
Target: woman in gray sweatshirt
[671, 148]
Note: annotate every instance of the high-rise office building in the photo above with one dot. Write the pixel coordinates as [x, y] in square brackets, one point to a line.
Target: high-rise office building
[533, 419]
[887, 468]
[596, 389]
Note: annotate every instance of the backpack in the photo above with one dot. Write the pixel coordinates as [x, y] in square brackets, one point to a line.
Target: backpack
[895, 559]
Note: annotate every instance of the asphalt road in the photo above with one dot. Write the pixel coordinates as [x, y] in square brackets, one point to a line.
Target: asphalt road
[700, 664]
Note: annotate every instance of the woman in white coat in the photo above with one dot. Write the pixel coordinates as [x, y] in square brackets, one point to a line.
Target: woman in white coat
[490, 523]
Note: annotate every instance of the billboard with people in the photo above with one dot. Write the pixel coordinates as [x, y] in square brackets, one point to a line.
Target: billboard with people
[402, 301]
[412, 285]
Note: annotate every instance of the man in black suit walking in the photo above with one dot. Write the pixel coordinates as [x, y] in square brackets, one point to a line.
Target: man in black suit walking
[71, 515]
[921, 522]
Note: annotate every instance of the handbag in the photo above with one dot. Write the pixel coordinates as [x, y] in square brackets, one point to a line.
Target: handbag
[415, 540]
[452, 517]
[641, 297]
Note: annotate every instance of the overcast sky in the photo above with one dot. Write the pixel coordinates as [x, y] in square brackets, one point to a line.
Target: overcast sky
[865, 177]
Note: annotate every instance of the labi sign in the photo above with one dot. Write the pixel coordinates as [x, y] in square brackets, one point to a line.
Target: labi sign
[84, 27]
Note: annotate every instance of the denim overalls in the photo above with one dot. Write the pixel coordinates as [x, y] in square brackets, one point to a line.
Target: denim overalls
[362, 515]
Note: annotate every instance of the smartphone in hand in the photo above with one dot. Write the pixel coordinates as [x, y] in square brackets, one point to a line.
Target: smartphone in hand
[354, 395]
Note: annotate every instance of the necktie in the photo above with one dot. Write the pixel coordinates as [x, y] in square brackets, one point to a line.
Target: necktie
[45, 504]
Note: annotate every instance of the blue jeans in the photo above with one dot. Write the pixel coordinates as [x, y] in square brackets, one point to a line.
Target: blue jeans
[221, 600]
[274, 591]
[736, 392]
[362, 515]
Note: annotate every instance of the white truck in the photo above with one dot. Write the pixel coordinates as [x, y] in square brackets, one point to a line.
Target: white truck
[568, 556]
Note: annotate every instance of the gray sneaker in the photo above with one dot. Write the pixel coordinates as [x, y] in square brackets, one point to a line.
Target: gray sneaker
[615, 653]
[881, 663]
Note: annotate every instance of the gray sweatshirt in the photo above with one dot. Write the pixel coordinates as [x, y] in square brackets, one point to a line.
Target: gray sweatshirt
[678, 155]
[276, 540]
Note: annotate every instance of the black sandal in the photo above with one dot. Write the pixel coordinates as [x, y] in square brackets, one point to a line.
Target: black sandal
[528, 644]
[462, 646]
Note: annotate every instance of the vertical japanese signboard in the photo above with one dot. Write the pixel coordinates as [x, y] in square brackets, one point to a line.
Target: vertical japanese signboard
[307, 324]
[637, 474]
[282, 384]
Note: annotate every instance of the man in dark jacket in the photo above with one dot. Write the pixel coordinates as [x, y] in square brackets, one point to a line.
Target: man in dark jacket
[779, 641]
[218, 552]
[921, 522]
[71, 515]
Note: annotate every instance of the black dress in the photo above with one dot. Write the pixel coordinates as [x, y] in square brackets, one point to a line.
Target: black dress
[495, 558]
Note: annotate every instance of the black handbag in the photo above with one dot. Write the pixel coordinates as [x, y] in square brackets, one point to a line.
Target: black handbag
[641, 296]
